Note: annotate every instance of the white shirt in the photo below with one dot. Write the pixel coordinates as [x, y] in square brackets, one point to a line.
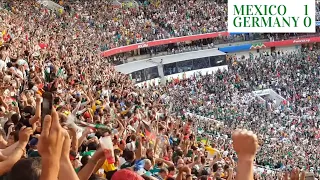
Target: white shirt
[2, 65]
[20, 73]
[121, 162]
[23, 63]
[131, 146]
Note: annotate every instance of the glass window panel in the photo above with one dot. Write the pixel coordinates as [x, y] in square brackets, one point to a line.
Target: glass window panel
[139, 76]
[151, 73]
[170, 69]
[218, 61]
[184, 66]
[212, 61]
[201, 63]
[221, 60]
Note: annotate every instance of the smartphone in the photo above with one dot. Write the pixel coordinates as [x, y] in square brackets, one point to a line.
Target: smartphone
[46, 105]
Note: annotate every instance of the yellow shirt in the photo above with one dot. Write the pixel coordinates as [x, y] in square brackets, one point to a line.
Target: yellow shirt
[108, 167]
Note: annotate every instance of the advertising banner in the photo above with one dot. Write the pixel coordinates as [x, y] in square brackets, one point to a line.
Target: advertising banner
[231, 49]
[292, 42]
[132, 47]
[228, 49]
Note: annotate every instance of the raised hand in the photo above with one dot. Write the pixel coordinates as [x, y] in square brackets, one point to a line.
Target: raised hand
[99, 154]
[52, 137]
[65, 152]
[294, 175]
[24, 135]
[245, 143]
[66, 170]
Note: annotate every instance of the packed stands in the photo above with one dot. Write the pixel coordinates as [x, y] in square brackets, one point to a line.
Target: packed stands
[102, 126]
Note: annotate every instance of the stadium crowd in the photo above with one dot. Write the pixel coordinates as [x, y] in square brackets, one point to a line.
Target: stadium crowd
[152, 132]
[289, 132]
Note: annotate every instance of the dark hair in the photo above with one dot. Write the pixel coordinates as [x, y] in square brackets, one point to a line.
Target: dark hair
[203, 177]
[99, 134]
[159, 163]
[125, 153]
[15, 135]
[204, 172]
[161, 128]
[26, 169]
[133, 137]
[85, 160]
[215, 167]
[129, 156]
[175, 159]
[171, 168]
[15, 118]
[162, 170]
[179, 152]
[92, 146]
[203, 160]
[145, 177]
[56, 100]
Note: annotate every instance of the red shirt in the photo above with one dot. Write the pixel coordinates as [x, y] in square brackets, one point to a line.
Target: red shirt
[43, 45]
[6, 37]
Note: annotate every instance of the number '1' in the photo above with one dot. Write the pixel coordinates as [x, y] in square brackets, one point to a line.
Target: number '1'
[306, 10]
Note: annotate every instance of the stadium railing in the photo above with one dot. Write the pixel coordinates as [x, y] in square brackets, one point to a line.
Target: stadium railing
[221, 37]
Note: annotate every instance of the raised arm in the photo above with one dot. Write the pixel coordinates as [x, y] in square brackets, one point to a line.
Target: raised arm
[74, 140]
[50, 146]
[245, 143]
[88, 169]
[37, 115]
[84, 135]
[3, 103]
[17, 152]
[66, 168]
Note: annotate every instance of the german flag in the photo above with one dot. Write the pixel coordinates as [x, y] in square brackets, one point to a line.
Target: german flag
[148, 132]
[150, 136]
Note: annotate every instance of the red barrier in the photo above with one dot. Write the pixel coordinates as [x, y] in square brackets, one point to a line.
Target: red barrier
[291, 42]
[201, 36]
[161, 42]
